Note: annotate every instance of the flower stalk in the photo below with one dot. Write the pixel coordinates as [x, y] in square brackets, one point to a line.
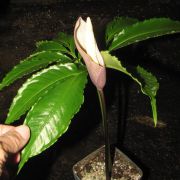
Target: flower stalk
[108, 161]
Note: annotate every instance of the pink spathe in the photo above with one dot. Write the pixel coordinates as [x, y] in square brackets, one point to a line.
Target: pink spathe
[87, 47]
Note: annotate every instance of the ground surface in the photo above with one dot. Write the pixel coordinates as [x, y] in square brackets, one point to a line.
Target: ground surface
[154, 150]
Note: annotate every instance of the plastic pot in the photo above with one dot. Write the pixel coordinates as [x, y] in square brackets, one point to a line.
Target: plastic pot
[92, 167]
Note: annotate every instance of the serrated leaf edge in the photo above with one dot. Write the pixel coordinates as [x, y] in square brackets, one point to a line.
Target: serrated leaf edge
[29, 81]
[111, 27]
[58, 136]
[27, 59]
[152, 98]
[136, 24]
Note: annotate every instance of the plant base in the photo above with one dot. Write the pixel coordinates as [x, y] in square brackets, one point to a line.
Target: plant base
[92, 167]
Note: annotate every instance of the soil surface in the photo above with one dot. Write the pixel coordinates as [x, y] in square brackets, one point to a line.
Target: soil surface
[154, 150]
[93, 167]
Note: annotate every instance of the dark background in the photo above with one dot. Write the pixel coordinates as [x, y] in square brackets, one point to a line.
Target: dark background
[154, 150]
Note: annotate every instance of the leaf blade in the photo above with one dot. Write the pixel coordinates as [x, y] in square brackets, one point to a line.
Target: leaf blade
[32, 63]
[35, 87]
[148, 83]
[68, 42]
[50, 46]
[49, 120]
[143, 30]
[117, 25]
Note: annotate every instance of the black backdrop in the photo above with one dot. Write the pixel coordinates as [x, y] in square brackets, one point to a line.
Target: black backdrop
[22, 23]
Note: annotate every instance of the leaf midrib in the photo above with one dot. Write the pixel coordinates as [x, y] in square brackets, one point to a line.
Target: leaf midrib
[42, 127]
[37, 65]
[130, 75]
[48, 87]
[141, 34]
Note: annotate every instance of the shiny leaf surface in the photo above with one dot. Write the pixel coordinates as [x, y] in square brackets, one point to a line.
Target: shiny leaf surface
[144, 30]
[68, 42]
[150, 84]
[35, 87]
[147, 82]
[51, 115]
[50, 46]
[33, 63]
[117, 26]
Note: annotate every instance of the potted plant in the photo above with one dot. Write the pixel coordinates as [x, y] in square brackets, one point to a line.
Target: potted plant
[54, 92]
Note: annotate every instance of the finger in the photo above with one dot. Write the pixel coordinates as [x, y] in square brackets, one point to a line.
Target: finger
[24, 132]
[5, 128]
[3, 157]
[15, 139]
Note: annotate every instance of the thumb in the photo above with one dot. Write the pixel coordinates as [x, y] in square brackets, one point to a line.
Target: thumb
[15, 139]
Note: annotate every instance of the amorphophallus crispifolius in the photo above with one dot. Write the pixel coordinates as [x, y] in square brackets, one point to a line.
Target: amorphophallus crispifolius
[87, 47]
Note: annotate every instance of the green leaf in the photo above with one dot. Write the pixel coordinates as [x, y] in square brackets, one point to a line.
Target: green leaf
[51, 115]
[117, 26]
[147, 82]
[68, 42]
[35, 87]
[50, 46]
[144, 30]
[33, 63]
[151, 84]
[150, 87]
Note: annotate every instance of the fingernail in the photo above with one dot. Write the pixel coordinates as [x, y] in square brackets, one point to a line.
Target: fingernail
[24, 131]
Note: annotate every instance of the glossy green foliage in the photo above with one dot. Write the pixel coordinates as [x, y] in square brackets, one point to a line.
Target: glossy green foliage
[68, 42]
[150, 86]
[54, 94]
[51, 114]
[140, 31]
[33, 63]
[117, 25]
[148, 83]
[51, 96]
[36, 87]
[50, 46]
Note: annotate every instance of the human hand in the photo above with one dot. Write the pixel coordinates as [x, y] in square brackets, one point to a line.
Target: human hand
[12, 140]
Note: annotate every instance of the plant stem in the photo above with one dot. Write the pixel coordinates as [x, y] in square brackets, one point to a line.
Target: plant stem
[154, 110]
[108, 163]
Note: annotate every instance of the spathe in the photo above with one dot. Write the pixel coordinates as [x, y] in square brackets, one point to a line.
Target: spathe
[87, 47]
